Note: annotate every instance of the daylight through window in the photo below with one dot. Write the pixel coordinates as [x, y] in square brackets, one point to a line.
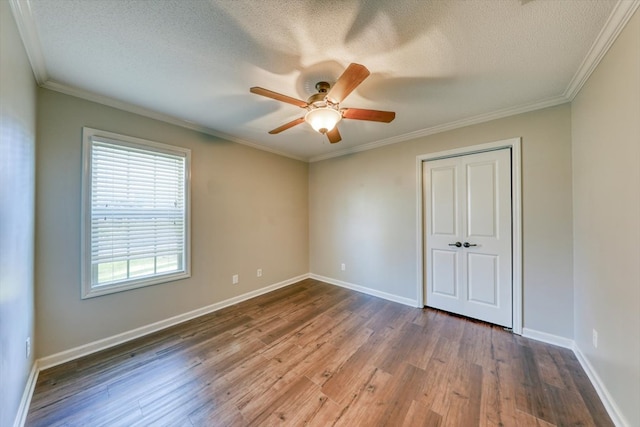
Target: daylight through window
[136, 213]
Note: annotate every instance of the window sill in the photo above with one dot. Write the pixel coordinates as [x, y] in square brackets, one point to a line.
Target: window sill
[92, 292]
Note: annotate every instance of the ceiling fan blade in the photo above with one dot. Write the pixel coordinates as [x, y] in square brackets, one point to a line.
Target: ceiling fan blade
[347, 82]
[371, 115]
[278, 96]
[287, 125]
[334, 135]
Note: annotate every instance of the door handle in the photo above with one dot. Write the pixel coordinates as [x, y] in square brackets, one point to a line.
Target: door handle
[467, 245]
[456, 244]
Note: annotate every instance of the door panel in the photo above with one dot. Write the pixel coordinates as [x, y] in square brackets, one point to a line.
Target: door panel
[445, 264]
[468, 200]
[481, 205]
[444, 196]
[482, 278]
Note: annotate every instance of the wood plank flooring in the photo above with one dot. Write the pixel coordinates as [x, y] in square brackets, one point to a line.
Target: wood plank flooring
[319, 355]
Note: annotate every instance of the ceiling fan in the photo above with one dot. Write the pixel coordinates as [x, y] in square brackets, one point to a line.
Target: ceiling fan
[323, 108]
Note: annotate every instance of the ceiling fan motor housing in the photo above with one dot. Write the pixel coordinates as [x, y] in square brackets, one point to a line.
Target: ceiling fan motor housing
[319, 99]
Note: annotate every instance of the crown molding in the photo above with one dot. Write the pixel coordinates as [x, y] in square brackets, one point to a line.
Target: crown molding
[620, 15]
[481, 118]
[26, 27]
[622, 12]
[142, 111]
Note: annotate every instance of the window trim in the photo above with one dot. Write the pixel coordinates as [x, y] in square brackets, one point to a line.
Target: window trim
[87, 291]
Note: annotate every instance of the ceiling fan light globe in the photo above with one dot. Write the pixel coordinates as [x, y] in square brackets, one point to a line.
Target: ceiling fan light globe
[323, 119]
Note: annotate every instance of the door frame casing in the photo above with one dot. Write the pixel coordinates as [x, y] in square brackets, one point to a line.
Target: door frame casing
[516, 215]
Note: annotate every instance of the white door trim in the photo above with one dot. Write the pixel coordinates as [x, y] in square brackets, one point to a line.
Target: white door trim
[516, 207]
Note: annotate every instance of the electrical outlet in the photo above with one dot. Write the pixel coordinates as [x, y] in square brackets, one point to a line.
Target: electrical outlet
[595, 338]
[259, 273]
[234, 279]
[28, 345]
[343, 267]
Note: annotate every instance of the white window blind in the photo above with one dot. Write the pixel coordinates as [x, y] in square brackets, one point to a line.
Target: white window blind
[137, 214]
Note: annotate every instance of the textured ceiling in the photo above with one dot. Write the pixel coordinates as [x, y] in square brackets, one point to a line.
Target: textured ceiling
[435, 63]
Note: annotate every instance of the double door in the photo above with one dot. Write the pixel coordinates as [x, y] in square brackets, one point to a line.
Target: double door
[468, 226]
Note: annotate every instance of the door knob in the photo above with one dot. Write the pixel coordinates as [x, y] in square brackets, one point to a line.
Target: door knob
[456, 244]
[467, 244]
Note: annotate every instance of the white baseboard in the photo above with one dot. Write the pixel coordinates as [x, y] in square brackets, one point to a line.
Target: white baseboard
[86, 349]
[607, 400]
[548, 338]
[368, 291]
[47, 362]
[25, 401]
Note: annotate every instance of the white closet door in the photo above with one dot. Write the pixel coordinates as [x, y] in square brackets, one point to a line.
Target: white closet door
[468, 256]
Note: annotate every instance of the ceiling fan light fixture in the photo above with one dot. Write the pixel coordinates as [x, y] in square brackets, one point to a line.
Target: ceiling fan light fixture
[323, 119]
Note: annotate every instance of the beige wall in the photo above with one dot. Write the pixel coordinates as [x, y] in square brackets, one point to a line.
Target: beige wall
[249, 211]
[17, 193]
[606, 200]
[363, 213]
[252, 209]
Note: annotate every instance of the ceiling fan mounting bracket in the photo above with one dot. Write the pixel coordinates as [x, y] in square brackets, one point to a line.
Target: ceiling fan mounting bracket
[322, 87]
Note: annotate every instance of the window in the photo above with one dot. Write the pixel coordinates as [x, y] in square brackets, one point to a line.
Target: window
[135, 213]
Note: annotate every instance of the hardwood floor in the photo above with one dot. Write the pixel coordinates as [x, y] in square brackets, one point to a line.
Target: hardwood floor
[319, 355]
